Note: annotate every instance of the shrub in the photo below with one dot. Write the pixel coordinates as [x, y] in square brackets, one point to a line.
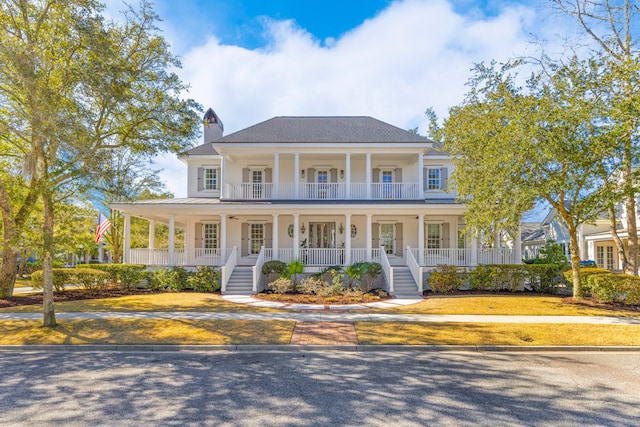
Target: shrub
[281, 286]
[312, 286]
[172, 279]
[91, 279]
[586, 277]
[126, 275]
[372, 272]
[446, 278]
[274, 269]
[355, 273]
[498, 277]
[620, 288]
[294, 267]
[205, 279]
[544, 278]
[61, 278]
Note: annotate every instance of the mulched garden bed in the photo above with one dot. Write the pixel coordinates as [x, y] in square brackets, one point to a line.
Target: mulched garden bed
[587, 302]
[71, 295]
[314, 299]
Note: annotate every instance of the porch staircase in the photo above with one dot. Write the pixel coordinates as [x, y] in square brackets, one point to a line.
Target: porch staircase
[404, 286]
[240, 282]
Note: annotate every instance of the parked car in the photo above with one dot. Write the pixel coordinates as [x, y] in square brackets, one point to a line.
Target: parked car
[588, 263]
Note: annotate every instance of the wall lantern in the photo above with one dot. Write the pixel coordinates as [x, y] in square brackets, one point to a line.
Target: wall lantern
[302, 229]
[302, 173]
[341, 173]
[341, 229]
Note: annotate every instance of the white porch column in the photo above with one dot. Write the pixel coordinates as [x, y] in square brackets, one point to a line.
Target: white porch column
[420, 175]
[223, 177]
[172, 239]
[276, 175]
[368, 175]
[127, 239]
[453, 241]
[420, 239]
[274, 238]
[347, 239]
[296, 236]
[347, 175]
[474, 248]
[369, 236]
[223, 237]
[517, 246]
[152, 234]
[296, 176]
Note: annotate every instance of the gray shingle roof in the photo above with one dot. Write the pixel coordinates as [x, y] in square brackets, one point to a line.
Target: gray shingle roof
[201, 150]
[323, 130]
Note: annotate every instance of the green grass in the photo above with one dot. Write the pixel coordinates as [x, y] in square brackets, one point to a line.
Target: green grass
[519, 305]
[147, 331]
[529, 334]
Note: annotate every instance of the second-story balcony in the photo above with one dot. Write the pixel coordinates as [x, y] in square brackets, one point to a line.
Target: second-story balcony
[323, 191]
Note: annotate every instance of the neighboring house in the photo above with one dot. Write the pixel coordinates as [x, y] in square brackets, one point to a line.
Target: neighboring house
[325, 190]
[552, 227]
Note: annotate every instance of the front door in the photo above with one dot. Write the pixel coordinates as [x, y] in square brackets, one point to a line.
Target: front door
[322, 234]
[387, 237]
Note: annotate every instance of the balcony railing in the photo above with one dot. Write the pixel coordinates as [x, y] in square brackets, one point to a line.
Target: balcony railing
[464, 257]
[181, 257]
[324, 191]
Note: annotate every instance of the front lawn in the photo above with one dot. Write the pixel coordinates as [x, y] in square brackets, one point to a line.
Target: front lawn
[169, 301]
[509, 305]
[147, 331]
[530, 334]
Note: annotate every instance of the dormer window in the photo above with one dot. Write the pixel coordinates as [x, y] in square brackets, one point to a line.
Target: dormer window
[211, 179]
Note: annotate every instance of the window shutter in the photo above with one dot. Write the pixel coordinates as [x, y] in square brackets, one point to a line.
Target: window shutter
[445, 236]
[268, 175]
[375, 235]
[268, 235]
[198, 236]
[399, 240]
[311, 175]
[218, 185]
[200, 179]
[244, 244]
[334, 174]
[376, 175]
[398, 175]
[443, 178]
[425, 179]
[245, 175]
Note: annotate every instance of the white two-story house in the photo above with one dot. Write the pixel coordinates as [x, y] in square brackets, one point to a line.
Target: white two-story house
[324, 190]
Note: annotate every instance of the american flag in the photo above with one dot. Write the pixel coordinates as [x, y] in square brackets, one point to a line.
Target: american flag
[103, 225]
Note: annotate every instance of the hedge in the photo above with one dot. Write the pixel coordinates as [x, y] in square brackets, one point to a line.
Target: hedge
[90, 278]
[620, 288]
[126, 275]
[542, 278]
[586, 277]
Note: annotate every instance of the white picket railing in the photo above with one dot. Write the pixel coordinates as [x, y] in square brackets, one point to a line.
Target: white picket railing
[463, 257]
[414, 268]
[324, 191]
[257, 269]
[227, 270]
[181, 257]
[386, 267]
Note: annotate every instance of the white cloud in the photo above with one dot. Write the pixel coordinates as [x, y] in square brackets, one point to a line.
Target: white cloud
[413, 55]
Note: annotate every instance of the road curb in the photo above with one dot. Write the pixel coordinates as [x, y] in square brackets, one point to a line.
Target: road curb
[138, 348]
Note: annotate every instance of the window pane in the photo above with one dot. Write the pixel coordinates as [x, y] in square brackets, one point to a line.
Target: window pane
[433, 236]
[211, 179]
[433, 179]
[210, 236]
[257, 238]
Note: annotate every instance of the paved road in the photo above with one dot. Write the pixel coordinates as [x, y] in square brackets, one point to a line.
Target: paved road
[319, 388]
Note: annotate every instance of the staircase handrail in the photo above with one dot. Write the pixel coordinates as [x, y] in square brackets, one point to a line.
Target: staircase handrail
[414, 268]
[386, 267]
[227, 270]
[257, 269]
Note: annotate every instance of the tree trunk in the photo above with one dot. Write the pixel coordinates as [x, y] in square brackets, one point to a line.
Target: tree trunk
[49, 317]
[632, 242]
[575, 261]
[622, 252]
[8, 271]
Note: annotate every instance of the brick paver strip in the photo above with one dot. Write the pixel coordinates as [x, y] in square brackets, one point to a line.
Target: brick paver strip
[324, 333]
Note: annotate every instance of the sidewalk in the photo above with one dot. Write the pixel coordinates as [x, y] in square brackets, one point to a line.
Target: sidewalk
[333, 317]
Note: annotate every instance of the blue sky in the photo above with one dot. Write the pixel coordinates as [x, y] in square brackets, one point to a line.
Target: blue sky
[251, 60]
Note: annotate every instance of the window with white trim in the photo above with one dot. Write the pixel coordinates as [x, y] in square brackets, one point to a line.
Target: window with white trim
[433, 236]
[211, 178]
[256, 236]
[433, 179]
[210, 236]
